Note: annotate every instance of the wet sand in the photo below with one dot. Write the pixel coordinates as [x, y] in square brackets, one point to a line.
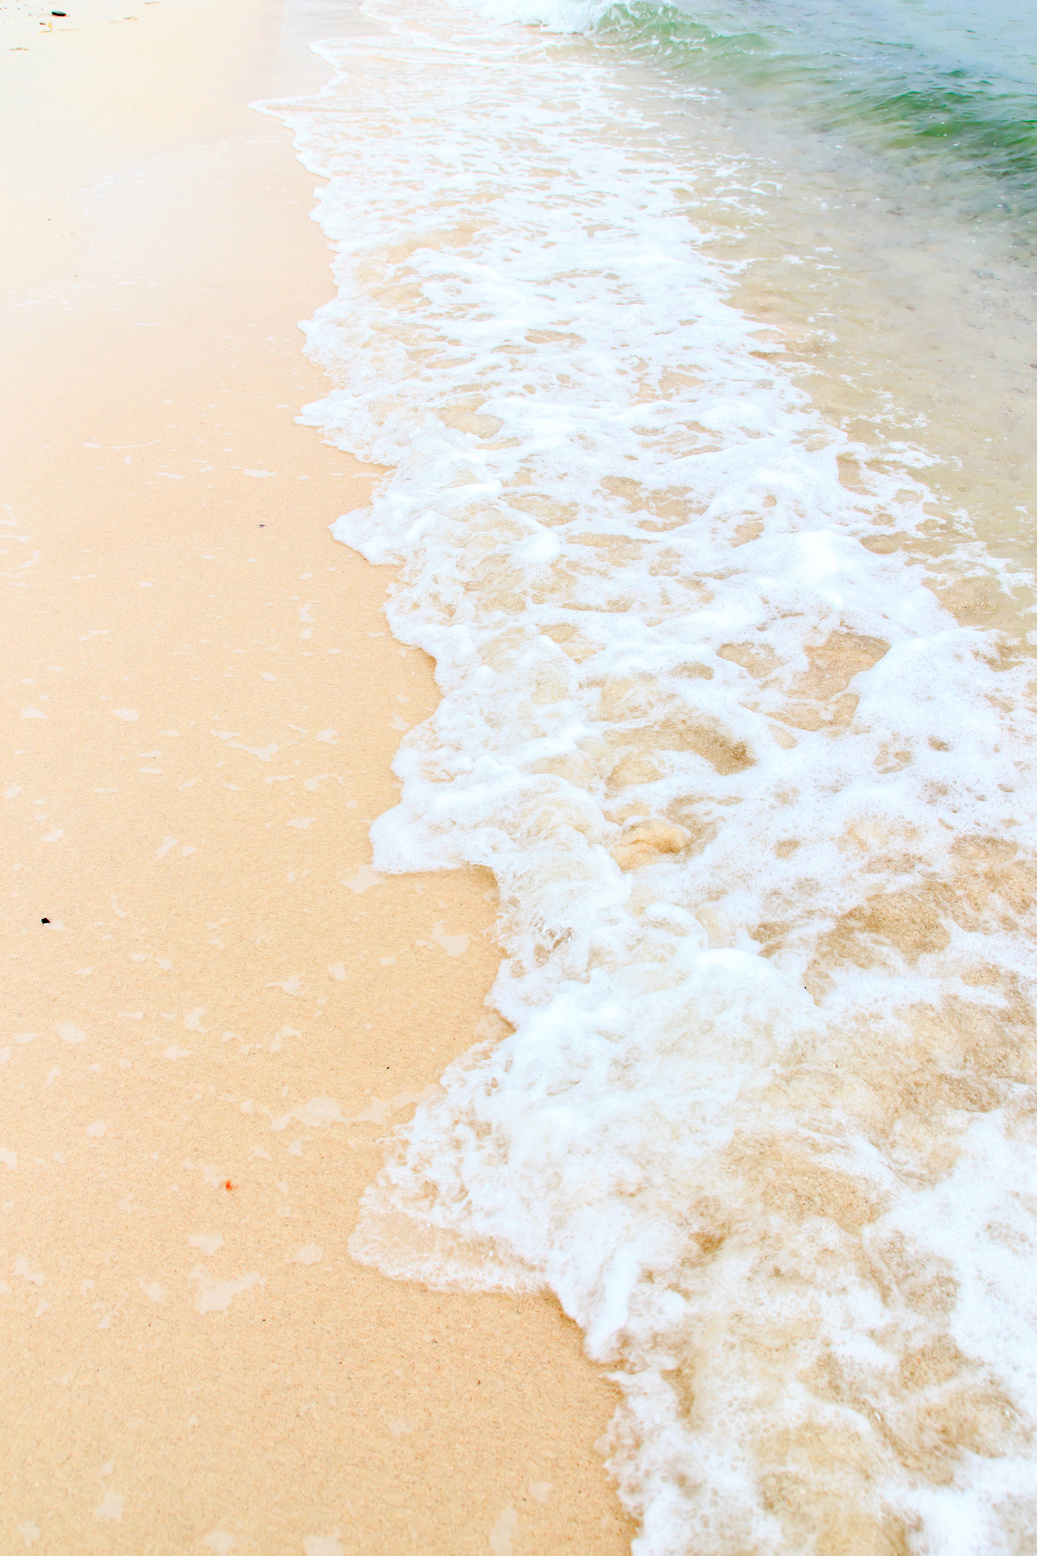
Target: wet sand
[203, 1047]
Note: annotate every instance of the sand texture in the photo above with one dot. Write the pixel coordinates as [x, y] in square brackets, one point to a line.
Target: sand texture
[202, 1049]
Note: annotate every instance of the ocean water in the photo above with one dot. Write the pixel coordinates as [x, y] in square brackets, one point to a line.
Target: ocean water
[695, 346]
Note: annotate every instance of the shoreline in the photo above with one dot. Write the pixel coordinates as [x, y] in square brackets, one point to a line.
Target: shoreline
[192, 1366]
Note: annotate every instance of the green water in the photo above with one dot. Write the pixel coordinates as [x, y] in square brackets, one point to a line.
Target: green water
[867, 175]
[949, 87]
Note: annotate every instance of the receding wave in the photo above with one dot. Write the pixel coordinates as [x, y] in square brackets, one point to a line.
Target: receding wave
[758, 1106]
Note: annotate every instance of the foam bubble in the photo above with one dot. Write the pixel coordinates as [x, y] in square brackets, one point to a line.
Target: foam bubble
[759, 807]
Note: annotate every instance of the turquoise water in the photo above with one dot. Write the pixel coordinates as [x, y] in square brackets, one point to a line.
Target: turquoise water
[952, 88]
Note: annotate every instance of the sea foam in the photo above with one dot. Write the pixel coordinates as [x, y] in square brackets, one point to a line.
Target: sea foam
[760, 1108]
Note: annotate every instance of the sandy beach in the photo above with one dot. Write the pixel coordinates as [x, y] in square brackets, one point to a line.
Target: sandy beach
[644, 933]
[213, 1008]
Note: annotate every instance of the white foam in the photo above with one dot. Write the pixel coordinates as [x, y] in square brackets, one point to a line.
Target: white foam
[760, 810]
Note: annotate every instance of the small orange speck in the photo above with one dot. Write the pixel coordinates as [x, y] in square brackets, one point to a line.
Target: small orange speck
[228, 1184]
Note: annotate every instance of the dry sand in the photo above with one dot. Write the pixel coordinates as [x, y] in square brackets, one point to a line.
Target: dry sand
[201, 703]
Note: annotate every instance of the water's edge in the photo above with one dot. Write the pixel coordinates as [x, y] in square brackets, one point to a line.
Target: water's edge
[736, 708]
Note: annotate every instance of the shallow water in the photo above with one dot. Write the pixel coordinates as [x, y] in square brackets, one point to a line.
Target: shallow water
[710, 485]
